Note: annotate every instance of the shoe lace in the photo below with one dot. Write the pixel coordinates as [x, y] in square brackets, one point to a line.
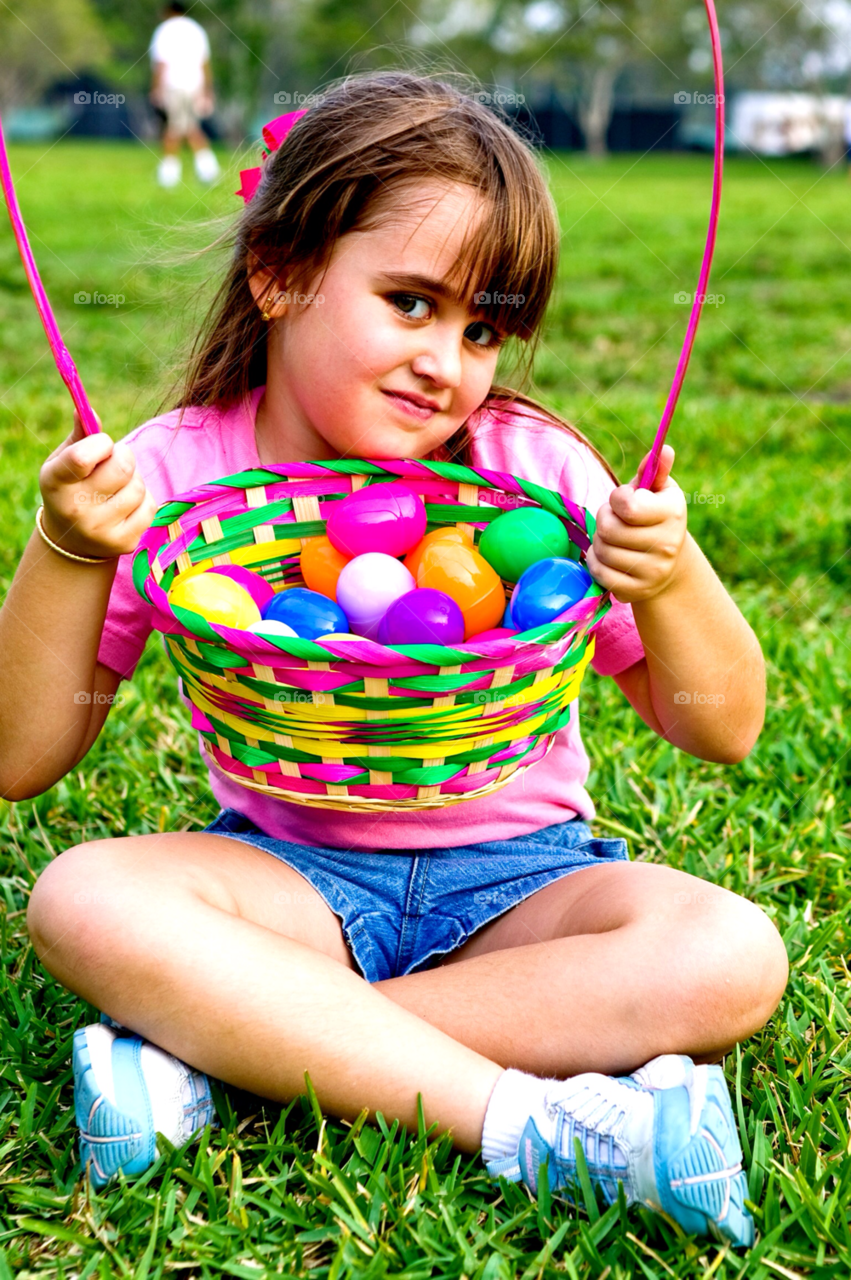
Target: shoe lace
[594, 1111]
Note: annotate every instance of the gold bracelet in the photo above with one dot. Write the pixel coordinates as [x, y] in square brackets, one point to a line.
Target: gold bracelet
[69, 555]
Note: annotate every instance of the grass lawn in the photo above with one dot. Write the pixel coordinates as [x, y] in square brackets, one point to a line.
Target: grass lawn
[762, 438]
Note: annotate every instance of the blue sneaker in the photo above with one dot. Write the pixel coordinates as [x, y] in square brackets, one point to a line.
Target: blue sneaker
[126, 1090]
[666, 1132]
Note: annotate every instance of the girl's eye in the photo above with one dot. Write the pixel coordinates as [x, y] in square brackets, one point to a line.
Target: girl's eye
[493, 340]
[407, 302]
[403, 300]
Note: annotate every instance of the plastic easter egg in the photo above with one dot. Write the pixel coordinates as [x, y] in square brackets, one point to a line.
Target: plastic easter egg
[422, 617]
[454, 537]
[258, 588]
[507, 620]
[546, 590]
[307, 612]
[388, 518]
[216, 598]
[321, 564]
[518, 539]
[496, 633]
[461, 573]
[367, 587]
[270, 627]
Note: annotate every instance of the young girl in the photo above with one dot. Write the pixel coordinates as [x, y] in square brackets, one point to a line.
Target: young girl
[454, 953]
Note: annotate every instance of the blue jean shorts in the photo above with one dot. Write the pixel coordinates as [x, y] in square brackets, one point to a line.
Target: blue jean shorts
[402, 909]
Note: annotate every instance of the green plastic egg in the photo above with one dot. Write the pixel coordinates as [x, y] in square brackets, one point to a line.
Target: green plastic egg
[520, 538]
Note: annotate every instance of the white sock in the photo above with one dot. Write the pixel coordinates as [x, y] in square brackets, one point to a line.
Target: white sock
[516, 1095]
[169, 171]
[170, 1090]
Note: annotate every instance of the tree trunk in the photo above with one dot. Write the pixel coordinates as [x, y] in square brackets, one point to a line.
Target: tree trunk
[595, 112]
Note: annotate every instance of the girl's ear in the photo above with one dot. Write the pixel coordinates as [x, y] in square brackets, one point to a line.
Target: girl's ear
[266, 290]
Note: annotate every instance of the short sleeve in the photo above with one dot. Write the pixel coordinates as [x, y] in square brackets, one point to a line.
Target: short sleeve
[128, 623]
[527, 443]
[155, 50]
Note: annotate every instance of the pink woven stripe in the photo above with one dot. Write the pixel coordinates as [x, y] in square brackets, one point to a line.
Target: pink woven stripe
[337, 775]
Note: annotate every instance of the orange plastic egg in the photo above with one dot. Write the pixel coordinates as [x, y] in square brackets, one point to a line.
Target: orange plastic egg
[459, 571]
[451, 537]
[321, 565]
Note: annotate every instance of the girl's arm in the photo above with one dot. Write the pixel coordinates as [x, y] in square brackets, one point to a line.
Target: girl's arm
[54, 695]
[701, 684]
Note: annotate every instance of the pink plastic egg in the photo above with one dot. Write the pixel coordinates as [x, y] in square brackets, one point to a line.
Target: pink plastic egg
[256, 586]
[367, 587]
[422, 617]
[495, 633]
[389, 518]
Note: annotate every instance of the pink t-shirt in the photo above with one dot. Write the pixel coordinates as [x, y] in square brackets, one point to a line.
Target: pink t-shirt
[210, 444]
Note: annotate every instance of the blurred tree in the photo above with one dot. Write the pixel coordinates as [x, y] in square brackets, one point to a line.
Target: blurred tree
[41, 40]
[337, 37]
[584, 48]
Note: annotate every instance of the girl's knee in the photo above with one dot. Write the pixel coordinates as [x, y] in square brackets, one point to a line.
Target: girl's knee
[730, 960]
[747, 964]
[81, 901]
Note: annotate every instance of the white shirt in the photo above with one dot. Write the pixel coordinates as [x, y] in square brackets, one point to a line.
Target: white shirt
[182, 46]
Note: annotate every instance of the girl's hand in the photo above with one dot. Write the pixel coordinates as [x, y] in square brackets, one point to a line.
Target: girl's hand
[638, 545]
[95, 501]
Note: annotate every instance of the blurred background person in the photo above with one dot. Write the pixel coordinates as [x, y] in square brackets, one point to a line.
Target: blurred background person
[182, 88]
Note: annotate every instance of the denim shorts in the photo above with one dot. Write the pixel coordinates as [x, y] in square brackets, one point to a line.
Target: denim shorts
[401, 909]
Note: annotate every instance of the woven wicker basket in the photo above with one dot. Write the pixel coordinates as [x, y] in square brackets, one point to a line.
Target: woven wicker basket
[351, 724]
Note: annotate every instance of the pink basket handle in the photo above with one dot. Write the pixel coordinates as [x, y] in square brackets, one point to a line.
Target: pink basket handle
[64, 363]
[648, 475]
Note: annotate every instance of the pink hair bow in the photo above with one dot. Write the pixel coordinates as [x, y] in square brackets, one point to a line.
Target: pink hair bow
[274, 132]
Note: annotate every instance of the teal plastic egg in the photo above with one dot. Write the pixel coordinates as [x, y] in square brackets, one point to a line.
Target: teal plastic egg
[518, 539]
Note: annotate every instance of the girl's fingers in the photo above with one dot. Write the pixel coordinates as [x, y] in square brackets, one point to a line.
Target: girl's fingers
[76, 461]
[666, 463]
[79, 433]
[647, 506]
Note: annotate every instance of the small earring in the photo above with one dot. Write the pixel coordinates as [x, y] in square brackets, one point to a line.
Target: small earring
[264, 314]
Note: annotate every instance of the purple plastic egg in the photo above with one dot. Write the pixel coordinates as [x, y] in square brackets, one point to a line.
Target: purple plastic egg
[424, 616]
[258, 588]
[389, 518]
[366, 588]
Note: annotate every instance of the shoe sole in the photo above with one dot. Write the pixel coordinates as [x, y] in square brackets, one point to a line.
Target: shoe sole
[112, 1137]
[700, 1182]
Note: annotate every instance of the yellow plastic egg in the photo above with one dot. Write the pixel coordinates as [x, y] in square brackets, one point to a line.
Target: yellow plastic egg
[216, 598]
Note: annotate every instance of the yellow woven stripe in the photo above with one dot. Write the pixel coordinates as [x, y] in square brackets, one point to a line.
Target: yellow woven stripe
[312, 716]
[325, 746]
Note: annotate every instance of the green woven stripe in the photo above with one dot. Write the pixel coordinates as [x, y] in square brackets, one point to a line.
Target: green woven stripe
[244, 537]
[141, 569]
[272, 751]
[171, 511]
[251, 479]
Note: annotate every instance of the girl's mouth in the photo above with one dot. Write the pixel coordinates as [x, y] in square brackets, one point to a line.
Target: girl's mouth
[418, 411]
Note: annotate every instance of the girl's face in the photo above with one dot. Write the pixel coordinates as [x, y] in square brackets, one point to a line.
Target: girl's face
[339, 369]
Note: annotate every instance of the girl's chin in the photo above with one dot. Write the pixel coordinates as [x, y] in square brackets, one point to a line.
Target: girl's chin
[395, 444]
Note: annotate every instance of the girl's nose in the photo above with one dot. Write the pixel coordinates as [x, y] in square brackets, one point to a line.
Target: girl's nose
[439, 360]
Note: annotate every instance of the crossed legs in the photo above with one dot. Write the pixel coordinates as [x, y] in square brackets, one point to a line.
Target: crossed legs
[192, 940]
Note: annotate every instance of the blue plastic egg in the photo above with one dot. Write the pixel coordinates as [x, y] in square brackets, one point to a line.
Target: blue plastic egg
[307, 612]
[546, 589]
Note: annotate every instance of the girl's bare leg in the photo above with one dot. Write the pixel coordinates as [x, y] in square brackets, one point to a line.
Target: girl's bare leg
[230, 960]
[605, 969]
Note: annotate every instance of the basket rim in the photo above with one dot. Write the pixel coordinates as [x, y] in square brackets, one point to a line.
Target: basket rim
[582, 617]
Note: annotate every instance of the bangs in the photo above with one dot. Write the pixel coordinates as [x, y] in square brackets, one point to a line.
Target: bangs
[508, 262]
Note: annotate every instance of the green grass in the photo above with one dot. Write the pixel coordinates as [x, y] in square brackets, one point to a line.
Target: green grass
[764, 424]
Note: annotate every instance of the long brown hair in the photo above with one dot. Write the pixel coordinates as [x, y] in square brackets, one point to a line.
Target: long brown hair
[369, 142]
